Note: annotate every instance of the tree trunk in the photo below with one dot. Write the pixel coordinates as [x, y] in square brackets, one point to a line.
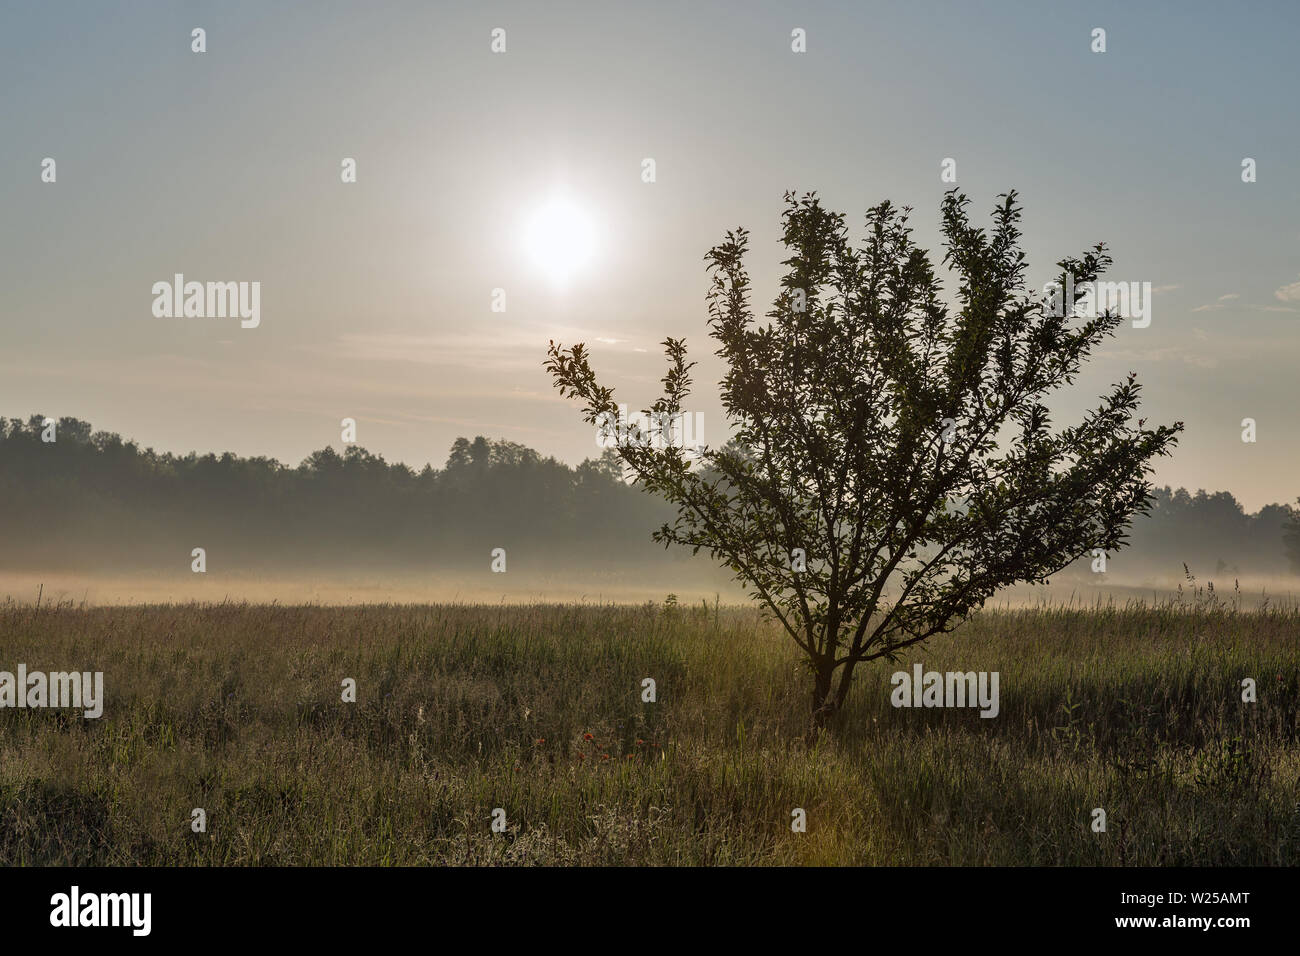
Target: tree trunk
[824, 703]
[828, 696]
[846, 681]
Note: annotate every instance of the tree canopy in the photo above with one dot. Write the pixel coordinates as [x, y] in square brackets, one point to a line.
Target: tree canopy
[902, 445]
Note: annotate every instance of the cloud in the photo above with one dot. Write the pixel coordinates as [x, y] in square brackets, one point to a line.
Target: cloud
[1217, 304]
[504, 349]
[1165, 288]
[1171, 354]
[1288, 293]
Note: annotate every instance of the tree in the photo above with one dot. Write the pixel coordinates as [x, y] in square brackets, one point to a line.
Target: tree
[1291, 537]
[903, 444]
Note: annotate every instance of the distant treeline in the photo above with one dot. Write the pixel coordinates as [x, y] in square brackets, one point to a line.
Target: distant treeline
[94, 501]
[1212, 533]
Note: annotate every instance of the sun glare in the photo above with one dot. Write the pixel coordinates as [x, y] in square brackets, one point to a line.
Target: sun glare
[560, 238]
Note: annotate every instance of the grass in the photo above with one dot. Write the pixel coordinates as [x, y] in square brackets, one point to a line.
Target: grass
[236, 708]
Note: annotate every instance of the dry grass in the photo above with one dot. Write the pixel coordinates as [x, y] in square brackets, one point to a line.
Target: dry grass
[236, 708]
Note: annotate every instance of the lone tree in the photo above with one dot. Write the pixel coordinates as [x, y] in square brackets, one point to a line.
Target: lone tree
[893, 463]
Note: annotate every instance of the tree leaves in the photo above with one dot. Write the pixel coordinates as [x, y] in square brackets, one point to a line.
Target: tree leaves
[837, 407]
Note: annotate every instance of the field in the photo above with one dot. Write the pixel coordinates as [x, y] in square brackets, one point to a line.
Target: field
[237, 709]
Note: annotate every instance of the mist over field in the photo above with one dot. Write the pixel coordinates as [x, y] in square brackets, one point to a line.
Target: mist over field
[93, 517]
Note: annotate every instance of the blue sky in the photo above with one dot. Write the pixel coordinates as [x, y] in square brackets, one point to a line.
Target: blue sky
[376, 295]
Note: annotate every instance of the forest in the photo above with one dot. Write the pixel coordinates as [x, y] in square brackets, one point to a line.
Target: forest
[91, 500]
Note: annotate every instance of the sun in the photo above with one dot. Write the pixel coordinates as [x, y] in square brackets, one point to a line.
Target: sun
[560, 238]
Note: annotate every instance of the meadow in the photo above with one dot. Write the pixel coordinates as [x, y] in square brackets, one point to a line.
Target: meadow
[537, 709]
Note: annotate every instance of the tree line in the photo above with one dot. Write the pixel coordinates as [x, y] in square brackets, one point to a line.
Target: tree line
[94, 500]
[91, 499]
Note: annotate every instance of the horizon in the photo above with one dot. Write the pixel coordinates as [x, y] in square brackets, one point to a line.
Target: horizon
[342, 448]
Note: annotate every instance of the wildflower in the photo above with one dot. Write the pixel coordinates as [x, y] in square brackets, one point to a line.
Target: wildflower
[539, 741]
[588, 737]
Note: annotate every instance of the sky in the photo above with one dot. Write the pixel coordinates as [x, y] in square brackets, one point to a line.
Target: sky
[377, 295]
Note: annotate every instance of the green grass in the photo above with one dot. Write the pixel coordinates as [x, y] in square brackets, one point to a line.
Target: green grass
[236, 709]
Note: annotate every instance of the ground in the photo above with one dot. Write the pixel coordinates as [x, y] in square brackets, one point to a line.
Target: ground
[537, 710]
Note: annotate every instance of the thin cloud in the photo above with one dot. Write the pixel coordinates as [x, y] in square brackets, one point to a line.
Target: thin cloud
[1170, 354]
[1288, 293]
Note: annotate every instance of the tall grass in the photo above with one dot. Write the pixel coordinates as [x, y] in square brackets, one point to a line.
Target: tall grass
[236, 708]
